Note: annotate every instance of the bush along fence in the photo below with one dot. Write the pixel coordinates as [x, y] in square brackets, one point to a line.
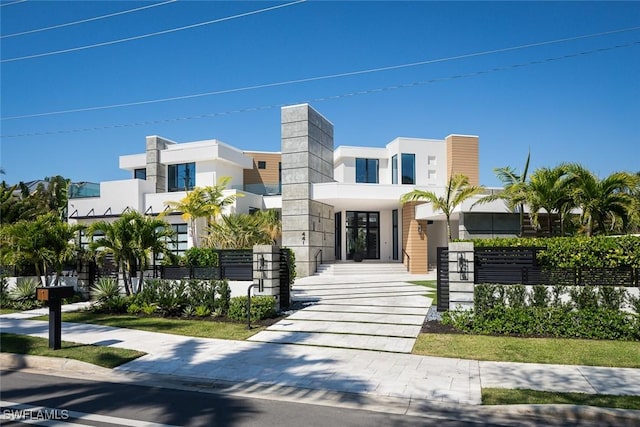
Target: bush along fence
[517, 291]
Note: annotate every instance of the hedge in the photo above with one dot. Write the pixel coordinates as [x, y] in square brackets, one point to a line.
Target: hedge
[572, 252]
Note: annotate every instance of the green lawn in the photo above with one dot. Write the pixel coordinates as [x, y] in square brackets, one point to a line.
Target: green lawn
[108, 357]
[431, 284]
[624, 354]
[7, 310]
[192, 328]
[500, 396]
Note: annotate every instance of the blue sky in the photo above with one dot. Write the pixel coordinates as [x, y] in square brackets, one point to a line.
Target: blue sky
[582, 108]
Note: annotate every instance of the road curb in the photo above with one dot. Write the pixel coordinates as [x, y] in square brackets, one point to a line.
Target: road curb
[560, 414]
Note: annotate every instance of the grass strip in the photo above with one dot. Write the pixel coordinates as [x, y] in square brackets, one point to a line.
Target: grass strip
[621, 354]
[432, 285]
[188, 327]
[107, 357]
[500, 396]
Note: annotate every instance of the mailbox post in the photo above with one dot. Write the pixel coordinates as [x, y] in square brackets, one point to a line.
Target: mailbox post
[53, 295]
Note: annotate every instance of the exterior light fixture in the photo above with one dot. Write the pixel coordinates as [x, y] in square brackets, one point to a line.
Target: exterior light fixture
[419, 228]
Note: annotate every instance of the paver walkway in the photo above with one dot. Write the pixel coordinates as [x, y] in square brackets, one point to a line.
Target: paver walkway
[369, 306]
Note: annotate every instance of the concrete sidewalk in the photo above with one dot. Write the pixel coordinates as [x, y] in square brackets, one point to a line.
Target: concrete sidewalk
[367, 373]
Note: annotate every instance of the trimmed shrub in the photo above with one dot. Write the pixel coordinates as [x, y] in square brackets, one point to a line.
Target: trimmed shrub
[262, 307]
[201, 257]
[224, 296]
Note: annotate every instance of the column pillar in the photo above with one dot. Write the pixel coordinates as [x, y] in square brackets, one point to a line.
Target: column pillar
[461, 275]
[266, 268]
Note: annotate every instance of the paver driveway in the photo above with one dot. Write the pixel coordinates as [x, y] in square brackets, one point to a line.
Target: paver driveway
[367, 306]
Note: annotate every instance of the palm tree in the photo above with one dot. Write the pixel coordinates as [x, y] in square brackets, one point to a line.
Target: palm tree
[548, 189]
[202, 202]
[270, 223]
[237, 231]
[457, 191]
[601, 200]
[151, 238]
[512, 192]
[116, 239]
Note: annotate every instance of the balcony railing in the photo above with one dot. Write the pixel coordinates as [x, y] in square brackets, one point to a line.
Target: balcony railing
[79, 190]
[261, 189]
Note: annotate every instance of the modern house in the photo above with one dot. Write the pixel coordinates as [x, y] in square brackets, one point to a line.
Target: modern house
[328, 197]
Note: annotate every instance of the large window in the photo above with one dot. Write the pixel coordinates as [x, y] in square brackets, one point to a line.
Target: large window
[181, 177]
[408, 168]
[394, 169]
[178, 244]
[367, 171]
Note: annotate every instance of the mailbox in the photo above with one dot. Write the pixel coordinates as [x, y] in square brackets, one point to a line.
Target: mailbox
[53, 296]
[49, 293]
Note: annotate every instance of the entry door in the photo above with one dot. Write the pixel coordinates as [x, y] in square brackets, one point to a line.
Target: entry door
[338, 235]
[365, 226]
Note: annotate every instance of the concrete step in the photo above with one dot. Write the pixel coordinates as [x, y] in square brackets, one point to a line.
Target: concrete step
[367, 268]
[323, 327]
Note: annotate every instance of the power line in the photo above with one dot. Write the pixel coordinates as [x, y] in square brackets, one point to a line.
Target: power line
[325, 77]
[333, 97]
[13, 2]
[53, 27]
[158, 33]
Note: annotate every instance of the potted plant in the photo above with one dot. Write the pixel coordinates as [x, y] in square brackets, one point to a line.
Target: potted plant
[359, 247]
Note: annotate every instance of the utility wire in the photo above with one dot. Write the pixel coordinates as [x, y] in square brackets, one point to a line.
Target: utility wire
[13, 2]
[325, 77]
[143, 36]
[53, 27]
[333, 97]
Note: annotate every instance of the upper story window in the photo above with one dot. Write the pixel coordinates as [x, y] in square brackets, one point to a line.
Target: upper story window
[262, 164]
[367, 170]
[408, 168]
[140, 173]
[181, 177]
[394, 169]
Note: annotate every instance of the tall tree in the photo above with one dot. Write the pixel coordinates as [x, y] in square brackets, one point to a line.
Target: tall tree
[602, 201]
[457, 191]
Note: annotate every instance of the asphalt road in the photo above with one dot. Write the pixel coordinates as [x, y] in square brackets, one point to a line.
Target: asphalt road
[52, 400]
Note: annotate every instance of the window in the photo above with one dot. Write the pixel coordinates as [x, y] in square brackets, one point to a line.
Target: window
[367, 170]
[262, 164]
[431, 175]
[178, 244]
[182, 176]
[394, 233]
[431, 160]
[408, 168]
[140, 173]
[394, 169]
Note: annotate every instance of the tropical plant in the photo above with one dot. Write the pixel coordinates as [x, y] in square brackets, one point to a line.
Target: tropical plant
[24, 294]
[202, 202]
[457, 191]
[548, 190]
[270, 223]
[237, 231]
[602, 201]
[130, 240]
[513, 189]
[44, 242]
[105, 289]
[151, 238]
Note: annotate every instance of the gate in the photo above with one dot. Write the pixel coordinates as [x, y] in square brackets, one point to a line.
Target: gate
[442, 289]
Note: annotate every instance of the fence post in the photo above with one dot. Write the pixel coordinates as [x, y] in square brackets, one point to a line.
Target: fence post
[461, 275]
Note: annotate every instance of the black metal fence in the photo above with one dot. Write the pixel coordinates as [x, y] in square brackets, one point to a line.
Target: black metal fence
[518, 265]
[285, 289]
[233, 264]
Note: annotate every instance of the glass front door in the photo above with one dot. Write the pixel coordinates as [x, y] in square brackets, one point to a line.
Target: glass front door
[363, 234]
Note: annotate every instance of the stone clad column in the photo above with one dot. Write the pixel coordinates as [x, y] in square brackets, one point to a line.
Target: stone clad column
[266, 268]
[156, 171]
[307, 158]
[461, 275]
